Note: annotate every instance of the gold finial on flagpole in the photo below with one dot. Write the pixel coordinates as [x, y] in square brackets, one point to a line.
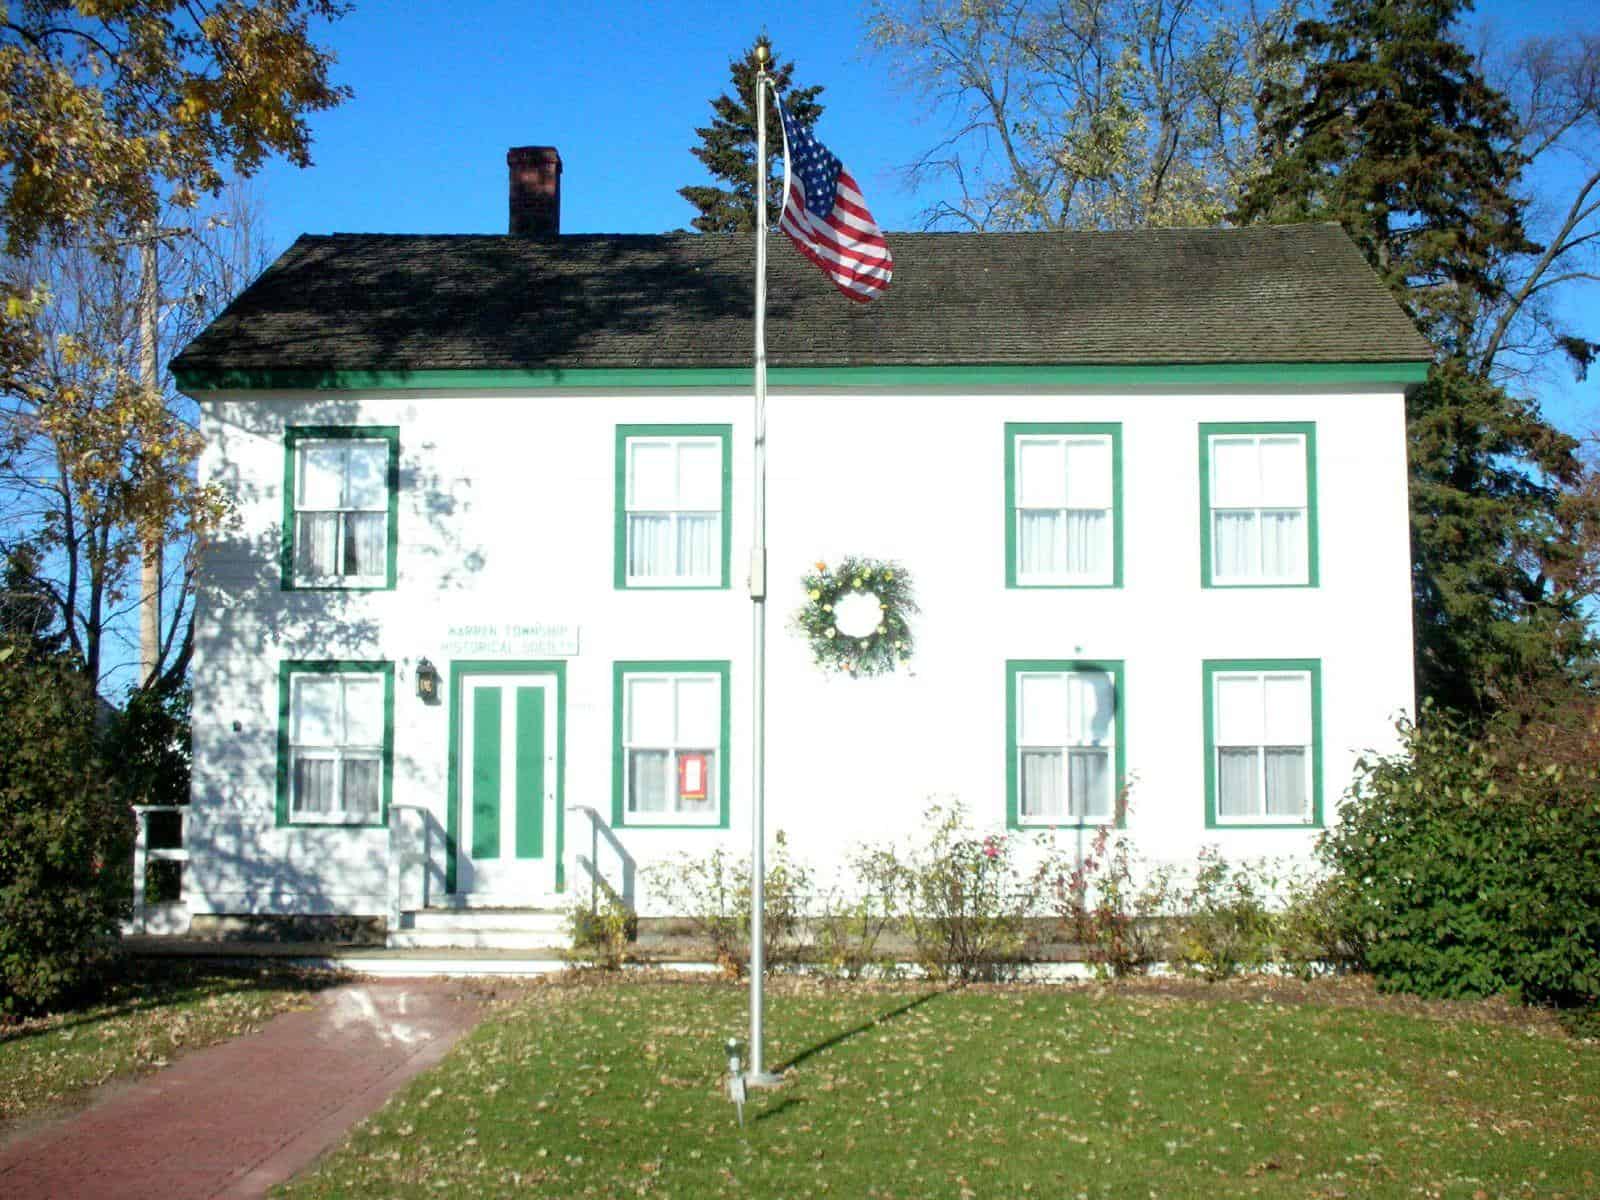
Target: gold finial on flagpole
[763, 55]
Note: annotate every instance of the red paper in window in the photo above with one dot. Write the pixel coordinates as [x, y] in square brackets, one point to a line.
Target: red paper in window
[691, 776]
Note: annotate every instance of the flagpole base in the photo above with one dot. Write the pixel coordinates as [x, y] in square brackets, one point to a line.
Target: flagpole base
[762, 1079]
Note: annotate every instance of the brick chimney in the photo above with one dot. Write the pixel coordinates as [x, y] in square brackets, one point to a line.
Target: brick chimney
[535, 191]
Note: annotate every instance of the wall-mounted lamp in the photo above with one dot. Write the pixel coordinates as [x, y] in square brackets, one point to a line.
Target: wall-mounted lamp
[427, 682]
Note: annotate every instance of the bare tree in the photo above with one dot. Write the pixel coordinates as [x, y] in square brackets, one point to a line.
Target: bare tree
[1554, 86]
[1084, 114]
[94, 466]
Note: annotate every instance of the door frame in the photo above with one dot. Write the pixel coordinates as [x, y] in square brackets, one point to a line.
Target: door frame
[459, 670]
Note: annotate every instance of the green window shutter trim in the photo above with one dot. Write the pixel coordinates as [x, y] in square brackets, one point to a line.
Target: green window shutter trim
[1213, 667]
[625, 433]
[1115, 667]
[295, 434]
[286, 672]
[619, 674]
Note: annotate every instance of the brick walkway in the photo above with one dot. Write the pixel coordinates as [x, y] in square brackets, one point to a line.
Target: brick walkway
[236, 1119]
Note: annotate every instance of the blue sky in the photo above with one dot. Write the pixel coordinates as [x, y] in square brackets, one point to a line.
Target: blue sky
[618, 87]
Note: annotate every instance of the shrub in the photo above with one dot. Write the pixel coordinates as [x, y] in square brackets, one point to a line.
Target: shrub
[713, 892]
[968, 898]
[856, 914]
[1226, 926]
[1471, 865]
[1120, 919]
[61, 828]
[601, 935]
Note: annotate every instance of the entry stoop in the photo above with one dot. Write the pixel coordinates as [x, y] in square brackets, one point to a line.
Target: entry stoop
[473, 928]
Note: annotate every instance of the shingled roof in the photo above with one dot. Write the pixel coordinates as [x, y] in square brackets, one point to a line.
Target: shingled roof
[360, 302]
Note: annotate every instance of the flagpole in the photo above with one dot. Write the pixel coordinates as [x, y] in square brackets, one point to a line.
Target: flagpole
[758, 1075]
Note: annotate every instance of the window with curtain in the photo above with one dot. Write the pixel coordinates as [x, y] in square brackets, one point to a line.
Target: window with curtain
[343, 488]
[1065, 729]
[673, 502]
[671, 745]
[336, 746]
[1260, 508]
[1063, 506]
[1262, 745]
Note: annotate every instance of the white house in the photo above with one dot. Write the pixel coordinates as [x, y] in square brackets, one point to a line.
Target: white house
[1150, 489]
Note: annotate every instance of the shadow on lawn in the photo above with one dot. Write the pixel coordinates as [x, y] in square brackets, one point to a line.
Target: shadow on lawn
[144, 987]
[845, 1035]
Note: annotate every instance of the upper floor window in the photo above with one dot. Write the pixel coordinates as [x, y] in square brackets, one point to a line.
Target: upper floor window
[1063, 505]
[335, 742]
[673, 500]
[341, 506]
[1262, 743]
[1065, 724]
[1258, 505]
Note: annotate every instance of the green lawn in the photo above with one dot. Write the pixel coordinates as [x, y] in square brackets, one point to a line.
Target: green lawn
[614, 1089]
[156, 1012]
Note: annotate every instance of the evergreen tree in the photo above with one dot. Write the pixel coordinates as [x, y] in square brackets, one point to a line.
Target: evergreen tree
[1391, 130]
[728, 146]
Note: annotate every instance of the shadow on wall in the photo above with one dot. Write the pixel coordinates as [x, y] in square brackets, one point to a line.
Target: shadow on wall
[246, 626]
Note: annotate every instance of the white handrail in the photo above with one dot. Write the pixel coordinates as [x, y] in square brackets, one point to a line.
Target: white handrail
[143, 854]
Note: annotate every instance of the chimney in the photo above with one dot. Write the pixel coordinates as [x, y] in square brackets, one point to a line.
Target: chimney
[535, 191]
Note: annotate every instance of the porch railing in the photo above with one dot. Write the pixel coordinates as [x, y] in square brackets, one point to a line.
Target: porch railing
[144, 854]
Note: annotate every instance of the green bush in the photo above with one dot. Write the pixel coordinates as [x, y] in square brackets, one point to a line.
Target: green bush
[1118, 908]
[968, 898]
[63, 833]
[1227, 927]
[601, 935]
[854, 916]
[1471, 866]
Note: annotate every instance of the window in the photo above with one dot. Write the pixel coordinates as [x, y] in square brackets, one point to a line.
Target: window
[670, 765]
[1258, 507]
[1063, 505]
[1066, 743]
[335, 742]
[341, 507]
[674, 492]
[1263, 748]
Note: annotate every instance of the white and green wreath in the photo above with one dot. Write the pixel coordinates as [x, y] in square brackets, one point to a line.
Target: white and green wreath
[855, 615]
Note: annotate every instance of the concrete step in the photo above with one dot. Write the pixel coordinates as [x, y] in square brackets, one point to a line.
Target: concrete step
[471, 920]
[478, 939]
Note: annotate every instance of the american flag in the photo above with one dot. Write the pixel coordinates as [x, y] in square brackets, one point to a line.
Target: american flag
[826, 218]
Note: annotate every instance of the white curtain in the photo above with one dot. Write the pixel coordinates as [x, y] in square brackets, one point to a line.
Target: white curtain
[316, 545]
[1090, 783]
[1042, 791]
[362, 779]
[313, 785]
[1088, 542]
[1039, 543]
[650, 546]
[697, 546]
[1282, 545]
[1236, 782]
[1286, 782]
[647, 780]
[1233, 544]
[365, 543]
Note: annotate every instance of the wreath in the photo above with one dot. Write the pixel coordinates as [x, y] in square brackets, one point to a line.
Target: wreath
[855, 615]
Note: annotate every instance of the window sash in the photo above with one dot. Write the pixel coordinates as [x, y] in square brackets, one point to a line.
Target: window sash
[1258, 537]
[1070, 779]
[1064, 525]
[347, 775]
[1263, 779]
[346, 542]
[653, 763]
[674, 539]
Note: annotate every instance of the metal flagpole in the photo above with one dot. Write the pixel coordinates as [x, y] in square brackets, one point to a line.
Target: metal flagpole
[758, 1075]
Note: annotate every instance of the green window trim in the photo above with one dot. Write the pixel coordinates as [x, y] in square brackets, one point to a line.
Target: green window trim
[286, 672]
[295, 434]
[619, 676]
[459, 670]
[1306, 429]
[1211, 668]
[1273, 375]
[1115, 667]
[620, 565]
[1020, 429]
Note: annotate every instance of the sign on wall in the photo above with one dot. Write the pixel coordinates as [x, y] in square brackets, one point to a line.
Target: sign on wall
[511, 639]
